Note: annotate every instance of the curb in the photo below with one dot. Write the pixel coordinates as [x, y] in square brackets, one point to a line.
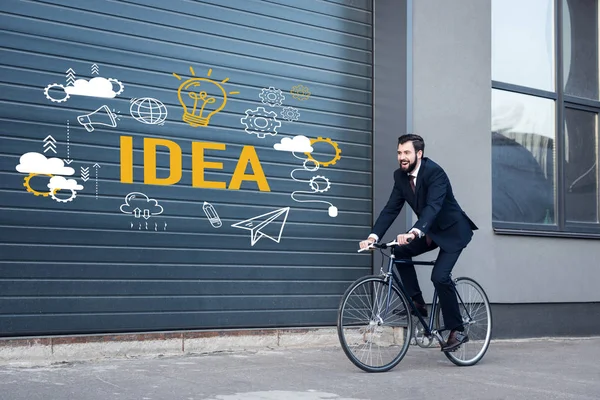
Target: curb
[43, 351]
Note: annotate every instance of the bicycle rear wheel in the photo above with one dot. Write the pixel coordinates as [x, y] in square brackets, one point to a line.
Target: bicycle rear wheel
[374, 324]
[477, 320]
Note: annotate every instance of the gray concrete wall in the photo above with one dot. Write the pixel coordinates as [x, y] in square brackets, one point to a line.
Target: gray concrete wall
[452, 97]
[392, 105]
[450, 107]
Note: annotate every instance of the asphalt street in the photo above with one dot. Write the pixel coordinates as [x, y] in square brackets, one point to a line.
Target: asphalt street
[565, 369]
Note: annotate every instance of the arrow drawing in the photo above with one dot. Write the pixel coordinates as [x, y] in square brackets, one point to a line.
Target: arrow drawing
[269, 225]
[85, 173]
[70, 77]
[95, 69]
[96, 166]
[68, 159]
[49, 144]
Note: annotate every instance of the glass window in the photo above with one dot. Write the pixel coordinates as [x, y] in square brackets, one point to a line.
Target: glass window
[523, 132]
[580, 48]
[581, 166]
[523, 43]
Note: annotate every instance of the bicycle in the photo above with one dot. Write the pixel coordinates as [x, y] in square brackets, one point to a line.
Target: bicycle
[375, 316]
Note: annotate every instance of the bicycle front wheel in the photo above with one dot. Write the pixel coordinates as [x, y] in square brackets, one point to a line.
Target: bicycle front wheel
[374, 324]
[477, 320]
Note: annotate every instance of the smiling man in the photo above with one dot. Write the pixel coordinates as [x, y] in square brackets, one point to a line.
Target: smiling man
[442, 223]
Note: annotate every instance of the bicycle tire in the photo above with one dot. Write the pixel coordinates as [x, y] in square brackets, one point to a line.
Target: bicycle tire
[360, 322]
[481, 313]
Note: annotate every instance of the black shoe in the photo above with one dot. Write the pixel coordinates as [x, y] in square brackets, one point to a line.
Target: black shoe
[420, 307]
[455, 339]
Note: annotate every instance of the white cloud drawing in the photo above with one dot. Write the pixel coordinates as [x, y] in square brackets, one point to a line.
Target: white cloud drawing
[36, 163]
[140, 201]
[95, 87]
[59, 182]
[299, 144]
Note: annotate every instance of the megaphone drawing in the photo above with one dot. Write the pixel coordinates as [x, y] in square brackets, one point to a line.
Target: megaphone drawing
[102, 116]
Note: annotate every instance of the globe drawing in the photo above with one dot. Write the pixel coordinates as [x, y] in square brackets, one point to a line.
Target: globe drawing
[148, 111]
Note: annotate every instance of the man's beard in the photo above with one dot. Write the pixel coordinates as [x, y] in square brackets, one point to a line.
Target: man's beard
[410, 167]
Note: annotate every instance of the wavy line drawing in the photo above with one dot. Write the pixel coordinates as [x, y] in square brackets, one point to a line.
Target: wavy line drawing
[317, 184]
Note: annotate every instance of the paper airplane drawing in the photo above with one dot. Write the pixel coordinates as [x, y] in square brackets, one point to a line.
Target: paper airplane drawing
[269, 225]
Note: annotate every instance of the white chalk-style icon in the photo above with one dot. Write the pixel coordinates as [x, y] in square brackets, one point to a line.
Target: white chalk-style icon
[297, 144]
[261, 122]
[148, 111]
[58, 183]
[290, 114]
[95, 87]
[212, 215]
[102, 116]
[36, 164]
[318, 183]
[50, 144]
[269, 225]
[271, 96]
[141, 206]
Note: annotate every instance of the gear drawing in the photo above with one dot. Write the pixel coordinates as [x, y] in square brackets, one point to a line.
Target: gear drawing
[271, 96]
[313, 168]
[261, 122]
[73, 195]
[300, 92]
[335, 146]
[290, 114]
[121, 86]
[315, 185]
[55, 85]
[32, 190]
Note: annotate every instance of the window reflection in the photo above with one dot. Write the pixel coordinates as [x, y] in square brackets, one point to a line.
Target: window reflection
[522, 158]
[581, 166]
[523, 43]
[580, 48]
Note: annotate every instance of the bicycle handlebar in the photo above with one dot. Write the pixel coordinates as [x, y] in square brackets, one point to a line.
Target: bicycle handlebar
[381, 245]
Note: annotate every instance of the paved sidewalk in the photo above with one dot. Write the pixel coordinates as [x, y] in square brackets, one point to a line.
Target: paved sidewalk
[528, 370]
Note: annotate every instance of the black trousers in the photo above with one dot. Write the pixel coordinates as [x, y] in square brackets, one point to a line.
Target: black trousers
[440, 276]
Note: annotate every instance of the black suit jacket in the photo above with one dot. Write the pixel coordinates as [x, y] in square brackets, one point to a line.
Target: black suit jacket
[439, 214]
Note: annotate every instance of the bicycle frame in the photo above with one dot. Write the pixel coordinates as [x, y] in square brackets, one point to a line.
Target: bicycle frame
[428, 327]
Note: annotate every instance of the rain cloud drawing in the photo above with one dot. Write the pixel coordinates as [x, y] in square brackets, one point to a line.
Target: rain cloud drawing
[140, 205]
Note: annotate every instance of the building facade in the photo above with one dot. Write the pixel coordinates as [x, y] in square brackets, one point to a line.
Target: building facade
[213, 164]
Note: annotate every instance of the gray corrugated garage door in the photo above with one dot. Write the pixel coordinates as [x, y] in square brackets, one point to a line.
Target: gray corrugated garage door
[181, 164]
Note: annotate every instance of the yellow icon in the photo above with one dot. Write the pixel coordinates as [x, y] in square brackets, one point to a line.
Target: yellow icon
[300, 92]
[333, 144]
[32, 190]
[201, 98]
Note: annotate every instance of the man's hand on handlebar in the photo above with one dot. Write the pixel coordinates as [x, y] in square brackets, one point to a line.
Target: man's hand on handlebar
[405, 238]
[365, 244]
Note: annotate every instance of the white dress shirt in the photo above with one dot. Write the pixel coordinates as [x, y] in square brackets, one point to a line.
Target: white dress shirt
[415, 230]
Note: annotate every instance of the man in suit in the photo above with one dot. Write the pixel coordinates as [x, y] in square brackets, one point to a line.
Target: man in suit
[441, 223]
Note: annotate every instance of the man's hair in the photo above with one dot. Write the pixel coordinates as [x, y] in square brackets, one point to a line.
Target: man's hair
[416, 140]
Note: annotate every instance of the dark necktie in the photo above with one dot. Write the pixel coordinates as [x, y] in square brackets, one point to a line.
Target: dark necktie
[412, 186]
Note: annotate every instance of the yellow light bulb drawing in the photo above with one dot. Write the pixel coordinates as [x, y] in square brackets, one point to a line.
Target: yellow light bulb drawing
[201, 98]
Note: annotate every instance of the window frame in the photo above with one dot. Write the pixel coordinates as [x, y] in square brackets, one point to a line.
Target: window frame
[562, 101]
